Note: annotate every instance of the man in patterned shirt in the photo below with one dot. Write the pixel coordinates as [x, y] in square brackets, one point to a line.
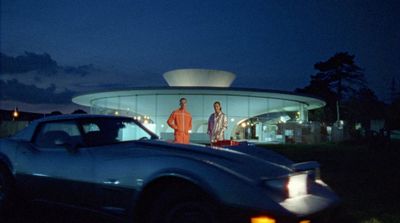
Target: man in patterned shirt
[217, 124]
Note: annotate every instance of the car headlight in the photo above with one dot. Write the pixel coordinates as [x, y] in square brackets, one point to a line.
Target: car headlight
[297, 185]
[287, 187]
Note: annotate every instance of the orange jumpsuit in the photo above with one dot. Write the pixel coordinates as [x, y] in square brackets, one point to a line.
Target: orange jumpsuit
[181, 121]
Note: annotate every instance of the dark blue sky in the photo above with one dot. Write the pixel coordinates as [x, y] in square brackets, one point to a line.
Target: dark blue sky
[268, 44]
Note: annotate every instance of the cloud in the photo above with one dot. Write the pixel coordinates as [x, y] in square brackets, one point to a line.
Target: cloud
[80, 70]
[41, 64]
[39, 83]
[17, 91]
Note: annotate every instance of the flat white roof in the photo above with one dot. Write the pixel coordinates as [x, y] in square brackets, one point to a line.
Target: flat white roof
[311, 101]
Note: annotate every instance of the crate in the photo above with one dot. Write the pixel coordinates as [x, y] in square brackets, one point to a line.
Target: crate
[222, 143]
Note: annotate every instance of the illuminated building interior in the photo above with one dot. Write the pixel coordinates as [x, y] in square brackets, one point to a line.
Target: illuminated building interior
[253, 114]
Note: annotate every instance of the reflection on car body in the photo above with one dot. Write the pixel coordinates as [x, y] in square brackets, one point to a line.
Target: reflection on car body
[116, 166]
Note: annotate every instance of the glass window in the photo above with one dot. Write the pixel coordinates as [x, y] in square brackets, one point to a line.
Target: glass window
[238, 106]
[258, 106]
[56, 134]
[146, 105]
[112, 130]
[167, 104]
[195, 105]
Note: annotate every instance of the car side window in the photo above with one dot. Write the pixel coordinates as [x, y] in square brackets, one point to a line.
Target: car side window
[56, 134]
[131, 131]
[99, 132]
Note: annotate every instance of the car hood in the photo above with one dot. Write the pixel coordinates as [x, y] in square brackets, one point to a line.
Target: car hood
[246, 161]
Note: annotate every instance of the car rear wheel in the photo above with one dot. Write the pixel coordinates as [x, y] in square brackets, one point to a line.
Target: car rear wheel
[6, 191]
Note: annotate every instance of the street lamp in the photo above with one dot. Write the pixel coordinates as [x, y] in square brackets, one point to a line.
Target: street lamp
[15, 113]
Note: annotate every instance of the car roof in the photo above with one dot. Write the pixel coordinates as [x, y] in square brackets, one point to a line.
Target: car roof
[27, 133]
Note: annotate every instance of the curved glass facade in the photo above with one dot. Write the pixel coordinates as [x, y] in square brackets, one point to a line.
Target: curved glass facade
[261, 117]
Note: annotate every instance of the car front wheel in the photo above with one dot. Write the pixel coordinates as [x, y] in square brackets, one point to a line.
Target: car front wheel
[181, 206]
[190, 212]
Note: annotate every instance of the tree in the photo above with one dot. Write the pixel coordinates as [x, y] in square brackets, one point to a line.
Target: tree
[393, 117]
[321, 89]
[56, 113]
[341, 75]
[364, 100]
[79, 111]
[394, 89]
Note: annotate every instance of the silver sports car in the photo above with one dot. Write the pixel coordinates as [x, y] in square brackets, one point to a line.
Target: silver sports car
[116, 166]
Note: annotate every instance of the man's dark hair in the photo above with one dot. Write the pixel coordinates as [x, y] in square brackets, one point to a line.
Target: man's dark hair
[180, 100]
[219, 103]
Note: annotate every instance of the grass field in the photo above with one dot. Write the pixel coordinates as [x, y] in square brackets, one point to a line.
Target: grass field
[365, 175]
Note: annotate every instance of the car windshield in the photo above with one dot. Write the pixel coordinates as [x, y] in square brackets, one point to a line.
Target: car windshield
[104, 131]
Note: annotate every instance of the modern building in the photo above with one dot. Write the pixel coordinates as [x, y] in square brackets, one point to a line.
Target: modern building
[254, 114]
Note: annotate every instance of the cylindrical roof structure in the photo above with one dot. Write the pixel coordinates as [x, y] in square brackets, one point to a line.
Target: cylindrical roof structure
[199, 78]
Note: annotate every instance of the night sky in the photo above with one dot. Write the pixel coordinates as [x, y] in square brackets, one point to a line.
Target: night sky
[52, 50]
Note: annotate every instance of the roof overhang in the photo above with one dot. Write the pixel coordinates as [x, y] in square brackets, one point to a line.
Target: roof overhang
[312, 102]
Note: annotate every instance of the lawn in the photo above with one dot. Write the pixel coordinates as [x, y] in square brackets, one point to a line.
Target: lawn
[365, 175]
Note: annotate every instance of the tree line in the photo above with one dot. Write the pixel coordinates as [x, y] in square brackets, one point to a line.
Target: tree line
[342, 84]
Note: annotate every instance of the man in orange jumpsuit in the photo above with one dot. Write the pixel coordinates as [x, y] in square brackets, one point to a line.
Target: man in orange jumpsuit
[181, 121]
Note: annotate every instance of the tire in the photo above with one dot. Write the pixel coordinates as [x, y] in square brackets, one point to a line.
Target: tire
[189, 212]
[182, 206]
[6, 191]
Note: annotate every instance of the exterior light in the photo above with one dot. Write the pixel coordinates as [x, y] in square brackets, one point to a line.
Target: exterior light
[232, 119]
[162, 125]
[297, 185]
[116, 113]
[138, 118]
[145, 121]
[262, 219]
[284, 119]
[15, 113]
[305, 221]
[243, 124]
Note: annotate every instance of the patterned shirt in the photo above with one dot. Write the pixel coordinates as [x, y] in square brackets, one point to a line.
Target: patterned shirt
[217, 124]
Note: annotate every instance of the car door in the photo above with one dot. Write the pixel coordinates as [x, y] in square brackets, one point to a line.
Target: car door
[49, 171]
[114, 166]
